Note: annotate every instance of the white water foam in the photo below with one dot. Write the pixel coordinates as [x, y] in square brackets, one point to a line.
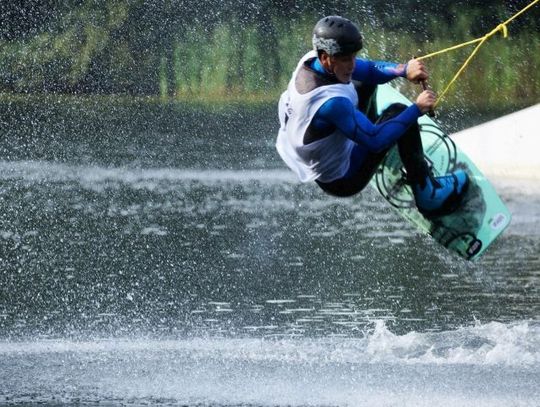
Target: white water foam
[486, 365]
[45, 171]
[493, 343]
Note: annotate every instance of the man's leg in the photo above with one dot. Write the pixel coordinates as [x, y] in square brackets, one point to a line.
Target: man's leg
[433, 195]
[367, 100]
[360, 172]
[410, 147]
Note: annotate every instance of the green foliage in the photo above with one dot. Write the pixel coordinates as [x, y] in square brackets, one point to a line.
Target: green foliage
[217, 56]
[232, 50]
[290, 48]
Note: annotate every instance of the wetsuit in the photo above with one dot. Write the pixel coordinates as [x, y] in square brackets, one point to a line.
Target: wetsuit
[370, 140]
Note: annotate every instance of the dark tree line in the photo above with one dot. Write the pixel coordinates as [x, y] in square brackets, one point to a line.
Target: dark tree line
[25, 18]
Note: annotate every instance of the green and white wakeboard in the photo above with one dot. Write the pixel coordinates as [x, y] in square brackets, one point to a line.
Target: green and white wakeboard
[481, 216]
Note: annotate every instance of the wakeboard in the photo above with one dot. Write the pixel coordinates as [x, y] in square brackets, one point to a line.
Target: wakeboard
[481, 215]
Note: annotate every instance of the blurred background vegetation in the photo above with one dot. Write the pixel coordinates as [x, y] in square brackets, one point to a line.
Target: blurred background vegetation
[210, 50]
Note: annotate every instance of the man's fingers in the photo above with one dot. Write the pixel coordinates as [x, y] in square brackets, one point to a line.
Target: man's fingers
[416, 71]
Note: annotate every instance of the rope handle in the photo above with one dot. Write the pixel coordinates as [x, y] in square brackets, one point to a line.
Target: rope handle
[431, 113]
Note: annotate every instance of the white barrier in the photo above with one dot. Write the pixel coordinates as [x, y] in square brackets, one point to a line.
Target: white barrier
[507, 147]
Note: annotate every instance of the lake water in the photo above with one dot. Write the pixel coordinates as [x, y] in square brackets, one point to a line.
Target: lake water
[163, 255]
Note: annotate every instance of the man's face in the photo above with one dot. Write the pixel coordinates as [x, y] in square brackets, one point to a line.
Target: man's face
[343, 66]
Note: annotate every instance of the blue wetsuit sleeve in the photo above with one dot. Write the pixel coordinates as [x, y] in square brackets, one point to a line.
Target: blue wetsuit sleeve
[377, 72]
[340, 112]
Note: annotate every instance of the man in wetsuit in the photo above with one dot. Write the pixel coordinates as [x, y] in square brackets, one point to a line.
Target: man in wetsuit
[326, 136]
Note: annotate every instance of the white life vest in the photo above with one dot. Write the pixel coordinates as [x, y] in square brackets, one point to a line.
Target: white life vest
[326, 159]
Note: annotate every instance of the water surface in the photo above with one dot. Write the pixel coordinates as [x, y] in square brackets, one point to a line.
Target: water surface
[166, 256]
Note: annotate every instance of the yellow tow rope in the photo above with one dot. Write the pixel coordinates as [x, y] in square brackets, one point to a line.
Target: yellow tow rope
[501, 27]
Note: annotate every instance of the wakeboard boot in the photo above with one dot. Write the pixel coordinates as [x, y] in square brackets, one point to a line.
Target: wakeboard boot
[438, 196]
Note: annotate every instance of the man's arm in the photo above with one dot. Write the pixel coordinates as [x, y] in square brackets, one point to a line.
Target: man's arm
[341, 113]
[379, 72]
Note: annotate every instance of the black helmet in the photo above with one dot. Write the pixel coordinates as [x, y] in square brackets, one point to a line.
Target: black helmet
[336, 35]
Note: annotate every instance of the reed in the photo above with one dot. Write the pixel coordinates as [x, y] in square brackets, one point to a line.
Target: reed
[236, 66]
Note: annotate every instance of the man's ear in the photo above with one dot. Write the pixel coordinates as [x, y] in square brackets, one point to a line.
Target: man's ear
[325, 59]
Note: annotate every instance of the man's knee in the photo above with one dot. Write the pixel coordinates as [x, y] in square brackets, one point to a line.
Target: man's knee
[366, 99]
[392, 111]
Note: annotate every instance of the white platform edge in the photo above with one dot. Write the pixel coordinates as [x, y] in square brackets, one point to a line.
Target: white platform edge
[507, 148]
